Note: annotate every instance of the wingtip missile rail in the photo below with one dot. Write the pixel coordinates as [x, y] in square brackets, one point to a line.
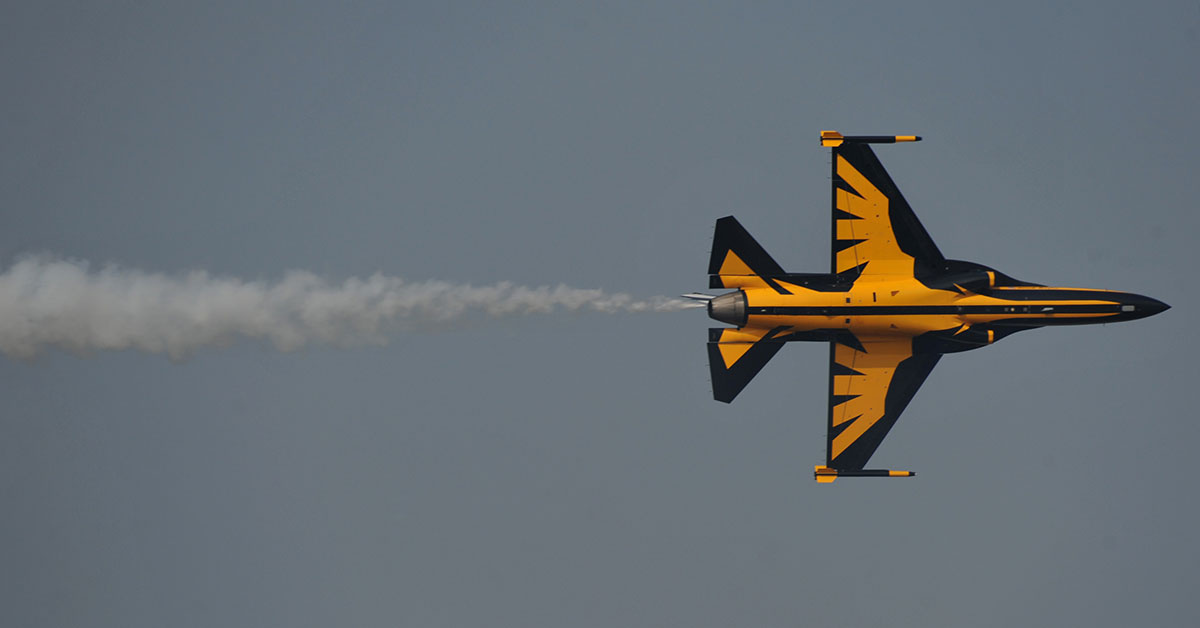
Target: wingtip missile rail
[824, 474]
[833, 138]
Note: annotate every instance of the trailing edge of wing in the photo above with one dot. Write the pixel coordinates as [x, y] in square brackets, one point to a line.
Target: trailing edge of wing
[735, 356]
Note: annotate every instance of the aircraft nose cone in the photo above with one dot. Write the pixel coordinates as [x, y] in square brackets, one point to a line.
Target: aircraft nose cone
[1157, 306]
[1145, 306]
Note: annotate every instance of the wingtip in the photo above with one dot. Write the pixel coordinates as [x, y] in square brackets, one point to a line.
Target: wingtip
[833, 139]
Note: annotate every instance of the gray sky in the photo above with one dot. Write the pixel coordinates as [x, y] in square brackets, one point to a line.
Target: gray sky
[572, 469]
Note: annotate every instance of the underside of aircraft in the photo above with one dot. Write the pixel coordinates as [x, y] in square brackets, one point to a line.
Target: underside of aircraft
[889, 308]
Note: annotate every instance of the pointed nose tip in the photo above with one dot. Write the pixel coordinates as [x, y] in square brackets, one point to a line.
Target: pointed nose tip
[1147, 306]
[1135, 306]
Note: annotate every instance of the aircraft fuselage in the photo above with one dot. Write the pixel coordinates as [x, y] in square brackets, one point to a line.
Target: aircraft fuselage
[957, 318]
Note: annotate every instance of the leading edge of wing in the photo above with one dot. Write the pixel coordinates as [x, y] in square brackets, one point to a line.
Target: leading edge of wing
[868, 390]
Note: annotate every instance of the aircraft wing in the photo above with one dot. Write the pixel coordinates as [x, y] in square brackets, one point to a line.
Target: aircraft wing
[869, 386]
[875, 231]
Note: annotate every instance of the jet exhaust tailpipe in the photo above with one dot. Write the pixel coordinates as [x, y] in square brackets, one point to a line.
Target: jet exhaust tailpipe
[729, 308]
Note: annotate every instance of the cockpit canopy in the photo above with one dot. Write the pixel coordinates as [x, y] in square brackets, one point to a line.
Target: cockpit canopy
[958, 275]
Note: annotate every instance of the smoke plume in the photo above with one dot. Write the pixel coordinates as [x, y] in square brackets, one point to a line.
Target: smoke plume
[47, 302]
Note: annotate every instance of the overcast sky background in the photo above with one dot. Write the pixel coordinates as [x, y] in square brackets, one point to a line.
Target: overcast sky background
[573, 470]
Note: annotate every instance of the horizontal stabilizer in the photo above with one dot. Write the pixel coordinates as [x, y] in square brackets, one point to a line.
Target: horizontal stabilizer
[735, 356]
[736, 255]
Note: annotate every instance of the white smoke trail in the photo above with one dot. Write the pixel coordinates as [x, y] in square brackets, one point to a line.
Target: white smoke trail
[47, 302]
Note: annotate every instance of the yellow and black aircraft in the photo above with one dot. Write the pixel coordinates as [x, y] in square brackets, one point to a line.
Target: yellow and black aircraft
[889, 308]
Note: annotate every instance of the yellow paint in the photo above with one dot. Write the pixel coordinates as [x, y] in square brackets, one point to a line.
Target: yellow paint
[906, 138]
[732, 352]
[872, 224]
[899, 474]
[824, 475]
[831, 138]
[746, 334]
[736, 273]
[733, 265]
[876, 366]
[734, 343]
[793, 288]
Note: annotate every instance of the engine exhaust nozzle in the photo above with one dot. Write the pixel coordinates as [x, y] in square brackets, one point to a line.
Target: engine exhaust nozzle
[729, 308]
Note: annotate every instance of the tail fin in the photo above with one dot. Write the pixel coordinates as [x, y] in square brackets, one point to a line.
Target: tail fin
[737, 260]
[735, 356]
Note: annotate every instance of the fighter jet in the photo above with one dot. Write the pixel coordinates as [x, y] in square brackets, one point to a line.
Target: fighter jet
[889, 308]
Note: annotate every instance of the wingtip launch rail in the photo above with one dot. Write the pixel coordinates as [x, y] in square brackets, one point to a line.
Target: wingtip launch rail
[833, 139]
